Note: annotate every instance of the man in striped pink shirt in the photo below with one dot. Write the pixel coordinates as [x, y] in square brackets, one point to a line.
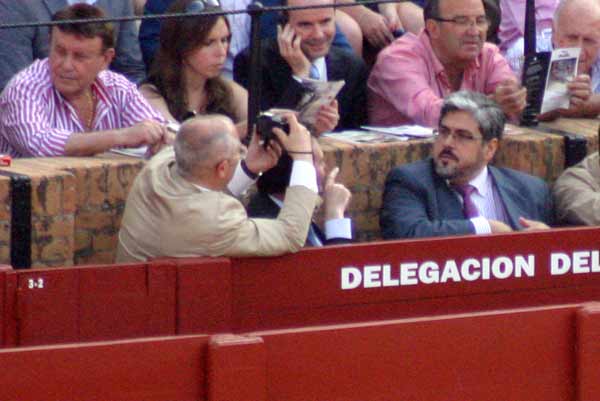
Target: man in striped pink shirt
[70, 104]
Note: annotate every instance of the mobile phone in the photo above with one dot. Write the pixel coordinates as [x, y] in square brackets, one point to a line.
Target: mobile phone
[282, 19]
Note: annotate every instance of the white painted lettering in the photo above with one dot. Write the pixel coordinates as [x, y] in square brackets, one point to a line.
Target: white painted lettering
[469, 269]
[560, 263]
[485, 268]
[595, 261]
[502, 267]
[372, 277]
[351, 278]
[429, 272]
[580, 262]
[450, 272]
[525, 265]
[408, 274]
[388, 281]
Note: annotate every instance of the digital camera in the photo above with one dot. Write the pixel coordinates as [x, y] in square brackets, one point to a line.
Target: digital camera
[265, 123]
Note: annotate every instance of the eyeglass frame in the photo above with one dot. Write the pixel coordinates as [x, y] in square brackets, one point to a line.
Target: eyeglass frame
[481, 21]
[458, 136]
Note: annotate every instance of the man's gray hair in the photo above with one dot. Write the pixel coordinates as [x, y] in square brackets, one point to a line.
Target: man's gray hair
[591, 5]
[488, 115]
[201, 142]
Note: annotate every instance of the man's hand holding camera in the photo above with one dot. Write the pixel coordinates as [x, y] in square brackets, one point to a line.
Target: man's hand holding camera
[297, 143]
[262, 158]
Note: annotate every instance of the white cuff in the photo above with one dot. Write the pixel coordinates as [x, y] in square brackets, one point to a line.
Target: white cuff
[240, 182]
[303, 173]
[338, 228]
[482, 225]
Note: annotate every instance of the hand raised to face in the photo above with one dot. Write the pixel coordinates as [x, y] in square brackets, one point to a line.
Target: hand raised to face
[289, 48]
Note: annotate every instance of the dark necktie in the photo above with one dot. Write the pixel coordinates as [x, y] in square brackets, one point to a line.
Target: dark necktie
[469, 208]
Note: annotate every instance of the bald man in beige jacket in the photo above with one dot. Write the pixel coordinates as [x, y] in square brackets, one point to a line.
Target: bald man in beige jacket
[178, 205]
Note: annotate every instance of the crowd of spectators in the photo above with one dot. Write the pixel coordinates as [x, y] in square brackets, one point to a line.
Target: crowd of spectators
[82, 89]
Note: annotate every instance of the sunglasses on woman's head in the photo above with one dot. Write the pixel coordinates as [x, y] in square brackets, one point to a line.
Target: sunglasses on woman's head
[197, 6]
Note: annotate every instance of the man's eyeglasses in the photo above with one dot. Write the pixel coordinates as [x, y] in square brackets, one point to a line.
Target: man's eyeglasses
[464, 22]
[197, 6]
[462, 137]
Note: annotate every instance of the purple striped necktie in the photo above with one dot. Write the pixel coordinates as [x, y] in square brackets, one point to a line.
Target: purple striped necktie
[469, 208]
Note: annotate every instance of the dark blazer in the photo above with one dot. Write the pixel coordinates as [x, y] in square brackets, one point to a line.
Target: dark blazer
[419, 203]
[20, 47]
[279, 89]
[261, 205]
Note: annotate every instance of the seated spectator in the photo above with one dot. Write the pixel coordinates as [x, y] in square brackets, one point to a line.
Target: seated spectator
[68, 105]
[412, 75]
[577, 24]
[177, 206]
[456, 191]
[267, 202]
[577, 193]
[239, 24]
[302, 50]
[379, 22]
[185, 77]
[19, 47]
[512, 29]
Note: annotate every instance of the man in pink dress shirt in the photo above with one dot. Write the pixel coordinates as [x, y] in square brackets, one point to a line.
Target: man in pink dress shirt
[69, 104]
[413, 75]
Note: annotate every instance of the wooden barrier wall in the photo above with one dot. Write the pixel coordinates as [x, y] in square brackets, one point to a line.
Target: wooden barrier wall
[533, 354]
[77, 203]
[313, 287]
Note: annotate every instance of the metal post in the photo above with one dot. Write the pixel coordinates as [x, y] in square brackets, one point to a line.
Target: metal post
[255, 11]
[531, 62]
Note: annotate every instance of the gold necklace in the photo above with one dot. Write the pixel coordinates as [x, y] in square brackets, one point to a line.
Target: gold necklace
[88, 114]
[92, 100]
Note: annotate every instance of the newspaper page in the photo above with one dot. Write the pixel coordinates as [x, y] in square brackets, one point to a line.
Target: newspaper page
[562, 70]
[317, 94]
[409, 131]
[358, 137]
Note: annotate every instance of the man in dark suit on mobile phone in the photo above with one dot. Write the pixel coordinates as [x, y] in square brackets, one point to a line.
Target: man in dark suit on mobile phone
[303, 50]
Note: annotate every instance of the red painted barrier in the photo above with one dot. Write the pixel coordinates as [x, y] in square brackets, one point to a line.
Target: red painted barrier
[352, 283]
[203, 295]
[506, 355]
[3, 300]
[307, 288]
[532, 354]
[158, 369]
[90, 303]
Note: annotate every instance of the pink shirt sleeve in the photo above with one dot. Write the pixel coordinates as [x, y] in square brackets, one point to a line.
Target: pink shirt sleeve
[26, 122]
[495, 69]
[402, 76]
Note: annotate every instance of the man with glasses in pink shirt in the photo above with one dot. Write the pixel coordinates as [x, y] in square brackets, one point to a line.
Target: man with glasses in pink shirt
[413, 75]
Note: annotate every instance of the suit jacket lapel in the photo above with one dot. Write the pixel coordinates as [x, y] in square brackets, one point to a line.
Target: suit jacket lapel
[335, 71]
[506, 192]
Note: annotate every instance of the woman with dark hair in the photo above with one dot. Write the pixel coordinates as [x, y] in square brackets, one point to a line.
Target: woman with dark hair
[184, 79]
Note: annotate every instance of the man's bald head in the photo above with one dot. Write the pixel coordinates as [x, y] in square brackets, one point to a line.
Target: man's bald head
[576, 23]
[204, 141]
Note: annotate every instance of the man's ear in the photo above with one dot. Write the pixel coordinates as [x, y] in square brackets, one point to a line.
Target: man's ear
[490, 148]
[109, 55]
[432, 28]
[221, 169]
